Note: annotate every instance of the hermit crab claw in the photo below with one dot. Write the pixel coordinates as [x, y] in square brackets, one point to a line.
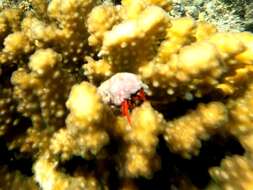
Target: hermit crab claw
[146, 89]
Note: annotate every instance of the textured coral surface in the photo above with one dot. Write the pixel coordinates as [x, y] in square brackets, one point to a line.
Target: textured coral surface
[193, 131]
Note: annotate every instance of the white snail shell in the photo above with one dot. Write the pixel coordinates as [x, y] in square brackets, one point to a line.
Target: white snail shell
[120, 87]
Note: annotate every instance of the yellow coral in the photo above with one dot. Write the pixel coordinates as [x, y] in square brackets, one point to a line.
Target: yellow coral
[240, 113]
[246, 56]
[43, 61]
[39, 31]
[84, 103]
[11, 17]
[183, 135]
[141, 139]
[127, 33]
[7, 108]
[43, 102]
[138, 163]
[51, 179]
[204, 30]
[55, 53]
[84, 133]
[101, 19]
[179, 34]
[132, 8]
[66, 11]
[147, 124]
[97, 70]
[125, 40]
[178, 71]
[247, 143]
[236, 172]
[15, 180]
[227, 44]
[17, 43]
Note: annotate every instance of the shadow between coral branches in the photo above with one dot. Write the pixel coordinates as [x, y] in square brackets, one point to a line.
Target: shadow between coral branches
[175, 172]
[175, 169]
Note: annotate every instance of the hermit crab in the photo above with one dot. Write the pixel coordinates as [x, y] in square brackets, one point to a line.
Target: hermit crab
[123, 90]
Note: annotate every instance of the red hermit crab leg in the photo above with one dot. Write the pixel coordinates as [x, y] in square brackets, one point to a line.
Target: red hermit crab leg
[124, 110]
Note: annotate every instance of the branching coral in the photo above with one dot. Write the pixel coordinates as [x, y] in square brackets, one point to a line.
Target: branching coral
[55, 54]
[49, 178]
[235, 173]
[15, 180]
[84, 134]
[141, 140]
[41, 95]
[184, 134]
[6, 110]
